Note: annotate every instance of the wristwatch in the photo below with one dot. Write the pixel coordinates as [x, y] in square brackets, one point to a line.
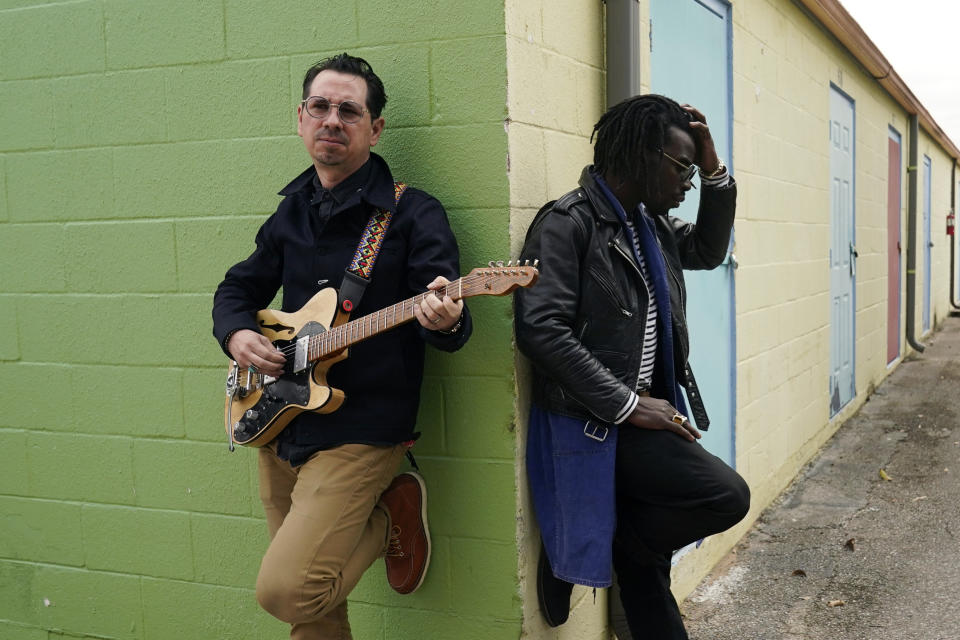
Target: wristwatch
[717, 172]
[452, 330]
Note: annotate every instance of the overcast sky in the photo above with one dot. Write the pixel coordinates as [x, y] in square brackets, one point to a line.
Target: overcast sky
[920, 38]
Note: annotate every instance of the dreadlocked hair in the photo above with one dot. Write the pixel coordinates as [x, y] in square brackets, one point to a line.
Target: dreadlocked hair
[630, 127]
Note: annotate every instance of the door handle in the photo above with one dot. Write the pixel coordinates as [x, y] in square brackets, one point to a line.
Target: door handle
[853, 260]
[734, 262]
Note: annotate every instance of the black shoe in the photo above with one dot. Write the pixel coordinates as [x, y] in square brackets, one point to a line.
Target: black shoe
[552, 593]
[617, 616]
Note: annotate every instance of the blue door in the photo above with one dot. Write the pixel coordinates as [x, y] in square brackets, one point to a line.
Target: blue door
[843, 266]
[927, 243]
[690, 62]
[894, 188]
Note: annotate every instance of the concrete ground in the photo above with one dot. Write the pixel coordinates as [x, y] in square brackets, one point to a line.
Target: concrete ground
[850, 552]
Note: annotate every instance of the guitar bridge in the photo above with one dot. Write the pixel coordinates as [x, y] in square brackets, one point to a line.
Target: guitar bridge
[232, 376]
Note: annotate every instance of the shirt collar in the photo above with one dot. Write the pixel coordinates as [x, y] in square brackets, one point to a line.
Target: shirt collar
[342, 191]
[640, 211]
[373, 182]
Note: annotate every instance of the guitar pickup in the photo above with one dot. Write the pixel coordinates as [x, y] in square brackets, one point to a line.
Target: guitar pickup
[300, 359]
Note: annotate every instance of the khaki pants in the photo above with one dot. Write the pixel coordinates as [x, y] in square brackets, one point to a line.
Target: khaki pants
[326, 529]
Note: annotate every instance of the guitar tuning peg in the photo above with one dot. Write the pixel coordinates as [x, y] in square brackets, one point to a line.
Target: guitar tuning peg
[500, 264]
[509, 263]
[536, 262]
[526, 263]
[492, 264]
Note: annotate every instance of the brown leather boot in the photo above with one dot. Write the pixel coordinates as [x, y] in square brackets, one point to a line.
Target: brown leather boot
[408, 551]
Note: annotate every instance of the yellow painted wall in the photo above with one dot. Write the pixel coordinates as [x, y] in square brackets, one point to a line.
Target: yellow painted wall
[940, 258]
[555, 94]
[783, 67]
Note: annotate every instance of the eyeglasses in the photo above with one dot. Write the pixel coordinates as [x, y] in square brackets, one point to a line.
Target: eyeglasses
[348, 111]
[689, 170]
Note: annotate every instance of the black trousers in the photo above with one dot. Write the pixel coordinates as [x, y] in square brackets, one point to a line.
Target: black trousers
[670, 492]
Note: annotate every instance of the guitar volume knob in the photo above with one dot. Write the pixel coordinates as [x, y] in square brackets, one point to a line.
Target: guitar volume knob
[251, 414]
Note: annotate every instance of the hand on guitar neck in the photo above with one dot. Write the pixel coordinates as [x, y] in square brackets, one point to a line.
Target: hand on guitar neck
[251, 348]
[436, 314]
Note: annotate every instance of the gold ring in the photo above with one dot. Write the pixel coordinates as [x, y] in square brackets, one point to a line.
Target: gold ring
[437, 321]
[678, 418]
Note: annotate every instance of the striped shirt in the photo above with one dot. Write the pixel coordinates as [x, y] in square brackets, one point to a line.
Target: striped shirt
[649, 353]
[648, 356]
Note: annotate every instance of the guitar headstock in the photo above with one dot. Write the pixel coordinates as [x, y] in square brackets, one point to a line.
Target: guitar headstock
[497, 278]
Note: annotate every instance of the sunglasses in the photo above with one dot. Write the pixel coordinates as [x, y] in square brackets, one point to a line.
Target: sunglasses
[319, 107]
[689, 170]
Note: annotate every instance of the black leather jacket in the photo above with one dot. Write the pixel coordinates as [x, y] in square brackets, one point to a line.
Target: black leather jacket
[581, 324]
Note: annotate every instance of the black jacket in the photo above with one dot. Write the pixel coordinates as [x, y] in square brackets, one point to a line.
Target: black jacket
[301, 252]
[581, 325]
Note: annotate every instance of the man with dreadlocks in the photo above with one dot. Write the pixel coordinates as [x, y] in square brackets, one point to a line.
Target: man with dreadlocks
[617, 476]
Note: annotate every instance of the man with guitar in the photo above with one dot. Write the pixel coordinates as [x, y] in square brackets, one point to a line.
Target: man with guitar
[327, 479]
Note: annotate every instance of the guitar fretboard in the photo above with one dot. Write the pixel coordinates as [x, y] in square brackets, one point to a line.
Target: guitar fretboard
[345, 335]
[495, 280]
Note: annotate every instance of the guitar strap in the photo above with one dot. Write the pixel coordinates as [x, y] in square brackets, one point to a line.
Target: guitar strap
[358, 273]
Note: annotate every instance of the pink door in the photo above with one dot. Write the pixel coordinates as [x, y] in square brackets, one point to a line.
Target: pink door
[893, 246]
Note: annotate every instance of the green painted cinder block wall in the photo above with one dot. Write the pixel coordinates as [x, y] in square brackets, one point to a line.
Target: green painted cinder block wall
[141, 145]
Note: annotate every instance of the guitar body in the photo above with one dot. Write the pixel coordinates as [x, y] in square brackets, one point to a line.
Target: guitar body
[316, 337]
[256, 417]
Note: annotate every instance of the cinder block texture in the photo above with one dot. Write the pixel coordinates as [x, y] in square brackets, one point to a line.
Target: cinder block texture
[28, 112]
[555, 54]
[785, 66]
[110, 108]
[52, 40]
[142, 144]
[142, 34]
[94, 603]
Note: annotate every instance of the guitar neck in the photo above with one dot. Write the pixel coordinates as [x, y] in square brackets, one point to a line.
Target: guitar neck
[495, 280]
[345, 335]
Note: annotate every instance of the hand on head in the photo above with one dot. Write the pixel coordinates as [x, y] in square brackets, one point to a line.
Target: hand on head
[706, 158]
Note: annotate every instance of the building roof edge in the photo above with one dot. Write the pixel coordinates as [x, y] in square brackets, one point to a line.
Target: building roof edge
[838, 21]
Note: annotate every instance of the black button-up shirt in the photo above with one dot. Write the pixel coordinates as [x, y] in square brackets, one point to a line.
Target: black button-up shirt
[306, 245]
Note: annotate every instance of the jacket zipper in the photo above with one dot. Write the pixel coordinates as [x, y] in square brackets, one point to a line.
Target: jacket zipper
[676, 280]
[683, 297]
[583, 330]
[630, 259]
[610, 290]
[632, 263]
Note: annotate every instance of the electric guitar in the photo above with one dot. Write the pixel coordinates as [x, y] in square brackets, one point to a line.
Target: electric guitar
[259, 406]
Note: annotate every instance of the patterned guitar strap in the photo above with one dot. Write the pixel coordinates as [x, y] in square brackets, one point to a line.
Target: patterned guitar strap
[357, 276]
